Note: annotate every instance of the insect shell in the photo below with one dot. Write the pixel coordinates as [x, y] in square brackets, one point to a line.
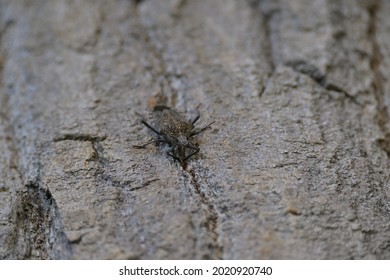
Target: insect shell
[174, 132]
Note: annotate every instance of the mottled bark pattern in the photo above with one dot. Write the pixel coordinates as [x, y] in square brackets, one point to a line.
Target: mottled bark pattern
[295, 167]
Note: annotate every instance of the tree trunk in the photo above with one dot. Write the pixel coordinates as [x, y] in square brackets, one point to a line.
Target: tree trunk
[296, 165]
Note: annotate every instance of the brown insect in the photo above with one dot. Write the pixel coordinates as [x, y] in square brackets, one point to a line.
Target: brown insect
[175, 133]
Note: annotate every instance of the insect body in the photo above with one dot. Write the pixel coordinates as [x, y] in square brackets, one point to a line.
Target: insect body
[173, 131]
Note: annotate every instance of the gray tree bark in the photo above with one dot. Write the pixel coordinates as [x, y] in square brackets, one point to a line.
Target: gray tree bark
[296, 165]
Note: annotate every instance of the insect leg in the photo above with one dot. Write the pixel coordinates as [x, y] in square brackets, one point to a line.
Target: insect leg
[172, 155]
[201, 130]
[150, 142]
[196, 119]
[193, 147]
[150, 127]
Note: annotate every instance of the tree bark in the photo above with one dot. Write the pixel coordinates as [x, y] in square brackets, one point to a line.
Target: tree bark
[296, 165]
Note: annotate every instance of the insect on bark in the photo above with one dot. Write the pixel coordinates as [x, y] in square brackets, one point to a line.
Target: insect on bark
[175, 133]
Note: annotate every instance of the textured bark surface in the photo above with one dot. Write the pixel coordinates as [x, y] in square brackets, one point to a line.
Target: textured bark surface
[296, 165]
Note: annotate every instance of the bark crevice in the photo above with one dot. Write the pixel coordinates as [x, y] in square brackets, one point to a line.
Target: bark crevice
[39, 233]
[211, 223]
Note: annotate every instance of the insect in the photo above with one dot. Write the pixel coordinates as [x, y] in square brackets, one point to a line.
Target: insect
[174, 132]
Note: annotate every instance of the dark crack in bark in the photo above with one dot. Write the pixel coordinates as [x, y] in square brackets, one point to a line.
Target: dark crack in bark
[216, 251]
[269, 46]
[102, 172]
[79, 137]
[316, 75]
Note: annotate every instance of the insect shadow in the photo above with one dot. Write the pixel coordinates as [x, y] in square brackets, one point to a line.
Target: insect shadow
[174, 132]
